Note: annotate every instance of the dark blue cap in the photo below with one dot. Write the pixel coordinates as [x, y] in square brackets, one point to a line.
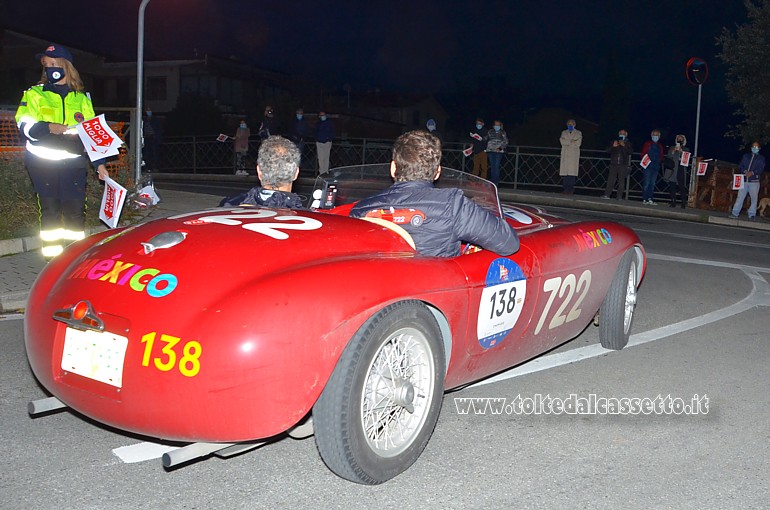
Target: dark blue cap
[55, 51]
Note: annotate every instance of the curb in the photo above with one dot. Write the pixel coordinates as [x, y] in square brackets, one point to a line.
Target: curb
[14, 301]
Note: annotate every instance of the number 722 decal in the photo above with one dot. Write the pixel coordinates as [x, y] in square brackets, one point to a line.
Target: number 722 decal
[565, 288]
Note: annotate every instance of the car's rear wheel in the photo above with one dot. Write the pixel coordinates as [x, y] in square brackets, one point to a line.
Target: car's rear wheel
[381, 403]
[617, 311]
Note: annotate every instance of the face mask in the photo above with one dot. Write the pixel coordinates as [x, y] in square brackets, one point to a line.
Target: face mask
[497, 128]
[323, 117]
[243, 125]
[755, 150]
[54, 74]
[299, 116]
[479, 126]
[431, 128]
[655, 138]
[570, 128]
[622, 137]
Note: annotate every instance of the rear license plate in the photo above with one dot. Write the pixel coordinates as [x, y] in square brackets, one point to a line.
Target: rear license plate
[95, 355]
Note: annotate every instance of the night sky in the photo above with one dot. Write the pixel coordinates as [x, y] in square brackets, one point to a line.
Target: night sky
[541, 54]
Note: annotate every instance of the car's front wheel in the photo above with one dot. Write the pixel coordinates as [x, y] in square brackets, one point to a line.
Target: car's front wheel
[381, 403]
[617, 311]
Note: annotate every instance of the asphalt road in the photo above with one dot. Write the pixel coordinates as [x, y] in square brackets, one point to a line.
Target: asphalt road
[701, 328]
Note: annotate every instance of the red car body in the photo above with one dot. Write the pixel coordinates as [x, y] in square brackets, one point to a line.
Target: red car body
[231, 333]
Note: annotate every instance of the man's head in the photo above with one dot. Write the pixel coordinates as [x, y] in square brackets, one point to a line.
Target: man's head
[322, 115]
[655, 135]
[479, 123]
[299, 113]
[622, 134]
[416, 157]
[277, 163]
[755, 146]
[268, 111]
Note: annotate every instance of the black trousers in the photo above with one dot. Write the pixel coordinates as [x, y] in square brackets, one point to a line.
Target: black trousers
[678, 187]
[61, 191]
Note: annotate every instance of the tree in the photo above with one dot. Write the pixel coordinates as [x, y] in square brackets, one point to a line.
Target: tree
[746, 55]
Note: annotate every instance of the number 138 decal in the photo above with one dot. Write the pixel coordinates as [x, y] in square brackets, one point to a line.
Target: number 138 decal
[566, 289]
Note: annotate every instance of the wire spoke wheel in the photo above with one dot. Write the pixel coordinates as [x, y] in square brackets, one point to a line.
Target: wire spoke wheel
[397, 393]
[381, 403]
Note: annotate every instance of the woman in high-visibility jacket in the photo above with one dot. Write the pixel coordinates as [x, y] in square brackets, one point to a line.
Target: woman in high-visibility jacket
[55, 158]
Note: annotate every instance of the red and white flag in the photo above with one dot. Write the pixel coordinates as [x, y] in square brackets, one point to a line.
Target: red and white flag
[738, 181]
[685, 159]
[476, 136]
[222, 137]
[702, 166]
[99, 140]
[112, 202]
[646, 161]
[468, 151]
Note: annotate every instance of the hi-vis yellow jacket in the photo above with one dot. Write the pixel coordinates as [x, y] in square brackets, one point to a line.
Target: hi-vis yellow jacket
[39, 105]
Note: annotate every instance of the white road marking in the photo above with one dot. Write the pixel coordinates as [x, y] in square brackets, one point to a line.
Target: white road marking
[11, 317]
[759, 296]
[141, 451]
[704, 239]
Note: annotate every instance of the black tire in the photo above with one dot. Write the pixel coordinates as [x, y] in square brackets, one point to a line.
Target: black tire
[617, 311]
[416, 220]
[345, 404]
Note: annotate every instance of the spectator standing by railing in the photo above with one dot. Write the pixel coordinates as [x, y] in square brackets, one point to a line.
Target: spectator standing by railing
[242, 135]
[654, 152]
[569, 164]
[479, 147]
[300, 131]
[674, 172]
[752, 166]
[620, 161]
[324, 134]
[497, 142]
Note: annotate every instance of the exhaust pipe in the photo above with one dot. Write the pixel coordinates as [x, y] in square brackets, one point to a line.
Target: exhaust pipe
[192, 451]
[44, 405]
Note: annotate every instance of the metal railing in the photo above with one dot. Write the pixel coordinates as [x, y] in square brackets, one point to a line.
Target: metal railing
[522, 167]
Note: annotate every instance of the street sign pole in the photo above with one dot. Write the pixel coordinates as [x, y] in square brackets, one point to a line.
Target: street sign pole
[136, 130]
[695, 149]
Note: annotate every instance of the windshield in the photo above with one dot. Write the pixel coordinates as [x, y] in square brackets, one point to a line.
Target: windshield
[348, 184]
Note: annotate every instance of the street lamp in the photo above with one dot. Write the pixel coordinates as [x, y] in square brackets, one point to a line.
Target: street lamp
[137, 128]
[697, 72]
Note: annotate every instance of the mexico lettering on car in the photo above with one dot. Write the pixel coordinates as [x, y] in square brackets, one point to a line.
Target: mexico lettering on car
[501, 301]
[588, 240]
[118, 272]
[238, 217]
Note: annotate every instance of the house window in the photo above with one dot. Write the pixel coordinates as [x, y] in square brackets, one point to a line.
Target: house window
[156, 88]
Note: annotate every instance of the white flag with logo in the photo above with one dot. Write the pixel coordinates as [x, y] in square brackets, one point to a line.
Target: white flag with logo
[112, 202]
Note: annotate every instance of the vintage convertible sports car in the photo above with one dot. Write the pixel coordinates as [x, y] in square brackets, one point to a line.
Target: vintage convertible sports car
[322, 324]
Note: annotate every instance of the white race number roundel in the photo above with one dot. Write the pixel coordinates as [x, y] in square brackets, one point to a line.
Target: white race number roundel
[501, 302]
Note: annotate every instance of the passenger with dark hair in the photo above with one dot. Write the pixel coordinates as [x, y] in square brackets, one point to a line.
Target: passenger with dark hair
[447, 216]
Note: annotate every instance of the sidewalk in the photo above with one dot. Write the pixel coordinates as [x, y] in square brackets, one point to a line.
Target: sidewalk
[22, 260]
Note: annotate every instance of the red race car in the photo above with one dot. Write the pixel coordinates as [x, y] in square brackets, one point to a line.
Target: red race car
[323, 324]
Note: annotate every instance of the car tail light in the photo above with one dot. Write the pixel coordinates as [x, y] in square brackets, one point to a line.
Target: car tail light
[80, 316]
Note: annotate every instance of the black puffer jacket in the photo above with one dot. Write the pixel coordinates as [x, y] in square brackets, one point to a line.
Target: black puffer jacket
[265, 198]
[449, 219]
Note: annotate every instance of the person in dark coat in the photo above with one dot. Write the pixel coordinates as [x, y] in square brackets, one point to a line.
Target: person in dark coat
[449, 217]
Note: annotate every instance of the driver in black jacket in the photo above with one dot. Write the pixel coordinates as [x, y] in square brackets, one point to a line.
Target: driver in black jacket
[449, 217]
